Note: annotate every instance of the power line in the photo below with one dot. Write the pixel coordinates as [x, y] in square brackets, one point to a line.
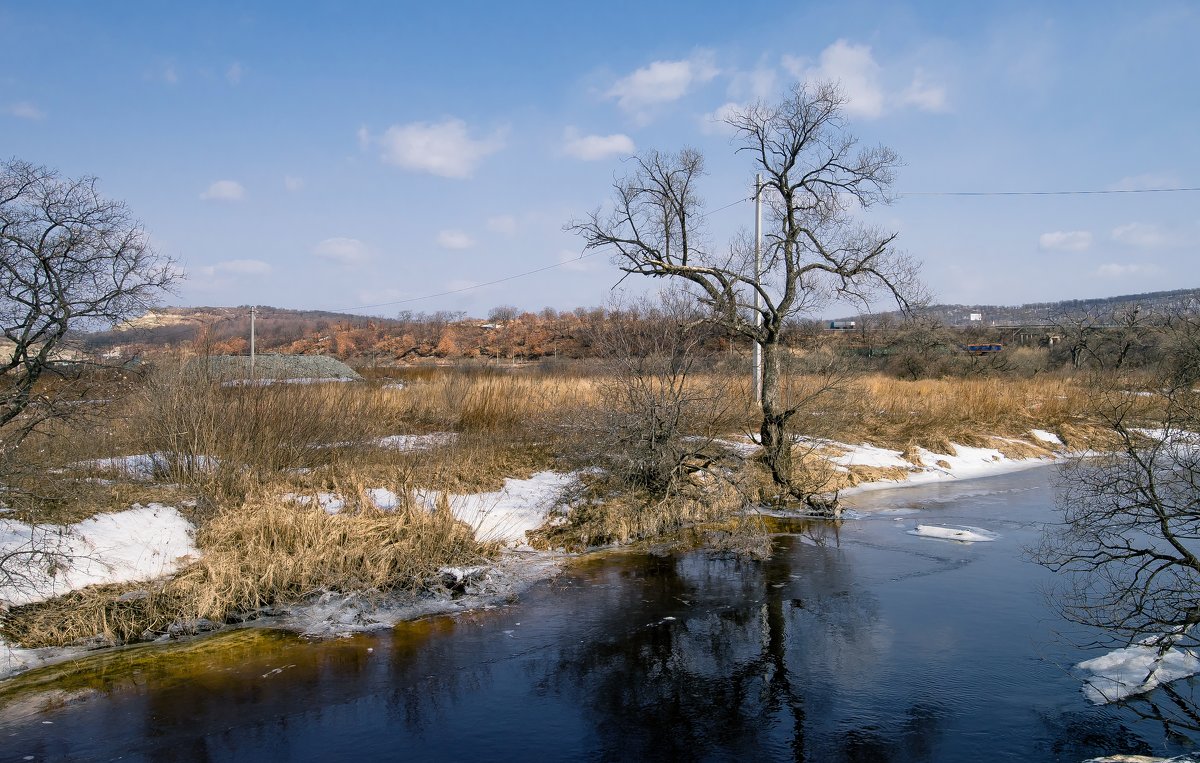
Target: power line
[1048, 193]
[506, 278]
[563, 263]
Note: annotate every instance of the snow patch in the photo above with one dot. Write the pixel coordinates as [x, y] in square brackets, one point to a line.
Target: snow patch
[870, 455]
[506, 515]
[407, 442]
[1044, 436]
[145, 466]
[137, 544]
[332, 503]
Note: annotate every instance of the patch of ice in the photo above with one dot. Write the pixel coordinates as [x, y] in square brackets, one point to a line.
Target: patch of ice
[1045, 436]
[1135, 670]
[138, 544]
[962, 534]
[406, 442]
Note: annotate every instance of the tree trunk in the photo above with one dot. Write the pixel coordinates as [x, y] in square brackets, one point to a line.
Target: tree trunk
[777, 443]
[777, 446]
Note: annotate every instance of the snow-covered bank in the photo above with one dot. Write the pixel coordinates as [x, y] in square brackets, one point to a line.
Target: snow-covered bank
[141, 543]
[923, 467]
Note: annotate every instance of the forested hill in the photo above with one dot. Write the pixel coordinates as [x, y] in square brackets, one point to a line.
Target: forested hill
[1044, 312]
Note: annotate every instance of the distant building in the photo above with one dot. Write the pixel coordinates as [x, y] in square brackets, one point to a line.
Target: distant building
[976, 317]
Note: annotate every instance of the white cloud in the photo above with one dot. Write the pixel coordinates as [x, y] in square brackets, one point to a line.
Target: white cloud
[444, 148]
[1114, 270]
[454, 239]
[224, 190]
[923, 95]
[1065, 241]
[168, 74]
[348, 251]
[234, 73]
[662, 82]
[867, 87]
[237, 267]
[506, 224]
[26, 110]
[591, 148]
[854, 68]
[1141, 235]
[293, 183]
[364, 138]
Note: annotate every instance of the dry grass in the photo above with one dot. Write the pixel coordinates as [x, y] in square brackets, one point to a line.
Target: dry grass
[264, 552]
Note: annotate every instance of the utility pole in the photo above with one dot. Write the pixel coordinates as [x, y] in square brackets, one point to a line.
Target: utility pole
[758, 376]
[253, 313]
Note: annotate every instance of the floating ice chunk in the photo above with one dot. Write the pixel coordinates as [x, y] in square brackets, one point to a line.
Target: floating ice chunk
[1135, 670]
[963, 534]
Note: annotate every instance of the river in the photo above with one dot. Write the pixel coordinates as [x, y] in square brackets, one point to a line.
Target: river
[853, 642]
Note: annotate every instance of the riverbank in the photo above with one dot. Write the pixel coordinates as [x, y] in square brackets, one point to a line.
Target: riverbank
[146, 544]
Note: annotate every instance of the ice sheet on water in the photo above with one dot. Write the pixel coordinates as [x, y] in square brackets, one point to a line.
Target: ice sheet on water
[1135, 669]
[960, 533]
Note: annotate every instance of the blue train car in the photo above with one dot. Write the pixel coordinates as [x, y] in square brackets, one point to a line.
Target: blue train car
[984, 349]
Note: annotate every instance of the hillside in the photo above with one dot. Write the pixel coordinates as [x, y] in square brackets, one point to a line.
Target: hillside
[507, 334]
[1045, 312]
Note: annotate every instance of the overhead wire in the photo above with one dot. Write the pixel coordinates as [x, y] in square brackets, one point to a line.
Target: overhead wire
[1048, 193]
[905, 194]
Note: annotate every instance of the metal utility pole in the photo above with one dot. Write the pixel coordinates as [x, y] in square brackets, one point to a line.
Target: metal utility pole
[253, 312]
[758, 375]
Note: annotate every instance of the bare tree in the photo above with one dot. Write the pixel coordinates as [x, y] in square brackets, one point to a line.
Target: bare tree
[657, 422]
[69, 260]
[815, 178]
[1128, 548]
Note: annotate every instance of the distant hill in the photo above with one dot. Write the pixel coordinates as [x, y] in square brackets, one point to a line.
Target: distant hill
[506, 334]
[1044, 312]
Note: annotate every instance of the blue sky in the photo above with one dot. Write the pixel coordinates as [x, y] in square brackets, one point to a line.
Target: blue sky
[330, 156]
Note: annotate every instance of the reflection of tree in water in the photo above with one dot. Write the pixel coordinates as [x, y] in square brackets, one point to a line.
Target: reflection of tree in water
[1175, 707]
[737, 677]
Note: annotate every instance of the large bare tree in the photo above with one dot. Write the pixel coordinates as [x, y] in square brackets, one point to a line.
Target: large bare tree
[69, 260]
[815, 179]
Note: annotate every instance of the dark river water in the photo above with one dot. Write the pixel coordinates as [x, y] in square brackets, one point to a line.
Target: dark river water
[858, 642]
